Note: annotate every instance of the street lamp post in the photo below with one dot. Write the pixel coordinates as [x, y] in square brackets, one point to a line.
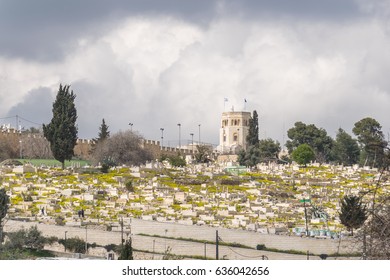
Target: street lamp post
[166, 239]
[162, 137]
[179, 125]
[192, 142]
[20, 149]
[199, 134]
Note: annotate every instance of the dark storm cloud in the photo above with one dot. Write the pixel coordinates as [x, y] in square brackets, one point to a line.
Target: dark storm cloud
[301, 9]
[45, 30]
[35, 108]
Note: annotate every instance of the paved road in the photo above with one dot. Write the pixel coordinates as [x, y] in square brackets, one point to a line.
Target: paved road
[316, 246]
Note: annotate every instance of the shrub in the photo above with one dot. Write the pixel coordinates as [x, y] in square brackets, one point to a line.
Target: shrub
[260, 247]
[31, 239]
[74, 244]
[129, 186]
[60, 221]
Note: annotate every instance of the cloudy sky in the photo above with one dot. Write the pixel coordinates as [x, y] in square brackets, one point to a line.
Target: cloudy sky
[157, 63]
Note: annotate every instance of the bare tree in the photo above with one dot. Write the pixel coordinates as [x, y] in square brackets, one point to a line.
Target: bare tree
[35, 146]
[8, 146]
[375, 234]
[121, 148]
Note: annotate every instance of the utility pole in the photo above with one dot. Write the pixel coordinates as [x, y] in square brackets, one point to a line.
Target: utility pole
[86, 238]
[307, 229]
[65, 240]
[304, 205]
[179, 125]
[192, 142]
[154, 243]
[199, 135]
[217, 245]
[364, 244]
[122, 240]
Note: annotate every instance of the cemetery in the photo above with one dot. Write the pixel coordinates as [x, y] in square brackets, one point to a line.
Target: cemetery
[272, 200]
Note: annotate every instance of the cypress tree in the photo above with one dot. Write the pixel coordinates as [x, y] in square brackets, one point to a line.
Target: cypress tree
[104, 133]
[252, 138]
[61, 132]
[353, 213]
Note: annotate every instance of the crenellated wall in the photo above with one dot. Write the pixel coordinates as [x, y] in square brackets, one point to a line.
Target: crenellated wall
[83, 146]
[155, 148]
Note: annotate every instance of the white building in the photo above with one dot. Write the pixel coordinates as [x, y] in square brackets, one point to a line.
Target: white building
[233, 131]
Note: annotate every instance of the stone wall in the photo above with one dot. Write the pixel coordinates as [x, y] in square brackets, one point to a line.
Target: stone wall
[83, 146]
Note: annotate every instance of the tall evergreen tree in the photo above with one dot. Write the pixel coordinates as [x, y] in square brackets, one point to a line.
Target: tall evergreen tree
[353, 213]
[104, 133]
[252, 138]
[345, 149]
[61, 132]
[4, 201]
[371, 139]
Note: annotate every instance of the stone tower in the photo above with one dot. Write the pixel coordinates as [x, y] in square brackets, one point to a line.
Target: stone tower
[233, 131]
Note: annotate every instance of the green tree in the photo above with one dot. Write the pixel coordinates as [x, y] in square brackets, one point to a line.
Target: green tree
[303, 154]
[352, 213]
[104, 133]
[265, 150]
[126, 251]
[316, 138]
[252, 138]
[255, 150]
[61, 132]
[371, 139]
[250, 156]
[177, 160]
[27, 239]
[345, 149]
[4, 204]
[74, 244]
[269, 149]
